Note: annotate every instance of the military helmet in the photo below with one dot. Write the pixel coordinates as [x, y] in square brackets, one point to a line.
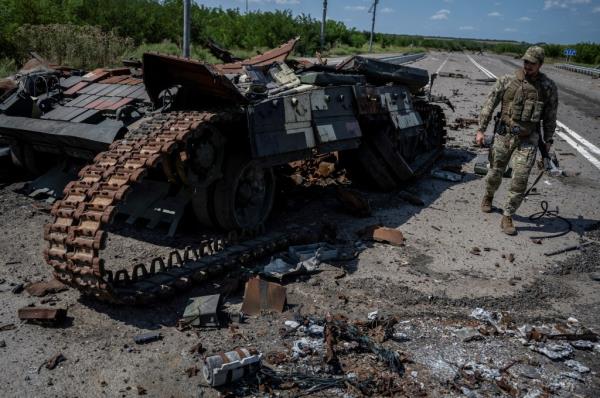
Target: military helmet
[534, 54]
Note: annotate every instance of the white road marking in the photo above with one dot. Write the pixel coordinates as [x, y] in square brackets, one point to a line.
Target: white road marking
[481, 68]
[582, 149]
[593, 148]
[579, 148]
[442, 65]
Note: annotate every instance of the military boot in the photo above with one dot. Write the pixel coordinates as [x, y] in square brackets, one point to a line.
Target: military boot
[507, 226]
[486, 204]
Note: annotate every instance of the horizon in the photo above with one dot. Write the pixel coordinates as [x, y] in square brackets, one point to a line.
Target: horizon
[562, 21]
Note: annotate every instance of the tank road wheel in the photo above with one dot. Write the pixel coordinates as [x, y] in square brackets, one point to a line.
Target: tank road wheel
[244, 197]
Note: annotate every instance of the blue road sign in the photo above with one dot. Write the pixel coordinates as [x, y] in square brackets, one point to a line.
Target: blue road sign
[569, 52]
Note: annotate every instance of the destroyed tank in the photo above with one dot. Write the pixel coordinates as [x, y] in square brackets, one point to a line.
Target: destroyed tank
[169, 132]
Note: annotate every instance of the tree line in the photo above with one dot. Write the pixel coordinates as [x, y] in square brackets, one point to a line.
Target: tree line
[132, 23]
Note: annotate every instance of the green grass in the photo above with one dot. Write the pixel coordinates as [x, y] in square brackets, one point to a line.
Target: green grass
[377, 48]
[169, 48]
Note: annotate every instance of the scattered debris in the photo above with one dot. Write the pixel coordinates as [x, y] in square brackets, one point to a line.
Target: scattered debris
[2, 343]
[383, 234]
[54, 361]
[453, 75]
[8, 326]
[263, 295]
[475, 250]
[49, 316]
[577, 366]
[337, 328]
[147, 337]
[353, 201]
[276, 358]
[446, 175]
[197, 349]
[568, 249]
[326, 168]
[192, 371]
[40, 289]
[18, 288]
[461, 123]
[141, 390]
[230, 366]
[306, 346]
[554, 351]
[511, 258]
[202, 311]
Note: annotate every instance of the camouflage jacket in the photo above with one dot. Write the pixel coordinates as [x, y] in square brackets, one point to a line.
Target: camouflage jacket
[550, 95]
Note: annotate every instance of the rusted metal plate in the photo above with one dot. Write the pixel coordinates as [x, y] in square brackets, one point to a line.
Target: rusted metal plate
[40, 289]
[115, 79]
[96, 75]
[164, 71]
[278, 54]
[39, 314]
[383, 234]
[263, 295]
[118, 104]
[76, 88]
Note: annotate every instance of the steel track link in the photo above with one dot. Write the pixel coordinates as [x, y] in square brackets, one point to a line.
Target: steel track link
[77, 235]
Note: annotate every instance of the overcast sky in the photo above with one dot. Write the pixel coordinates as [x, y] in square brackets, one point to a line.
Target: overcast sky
[556, 21]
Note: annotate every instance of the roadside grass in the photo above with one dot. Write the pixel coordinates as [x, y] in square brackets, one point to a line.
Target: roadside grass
[167, 47]
[377, 48]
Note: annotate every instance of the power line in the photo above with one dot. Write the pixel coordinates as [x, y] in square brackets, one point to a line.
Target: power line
[373, 9]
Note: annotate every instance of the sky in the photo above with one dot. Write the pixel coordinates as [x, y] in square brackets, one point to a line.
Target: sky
[533, 21]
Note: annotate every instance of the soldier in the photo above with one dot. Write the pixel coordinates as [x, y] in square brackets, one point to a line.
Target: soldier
[528, 99]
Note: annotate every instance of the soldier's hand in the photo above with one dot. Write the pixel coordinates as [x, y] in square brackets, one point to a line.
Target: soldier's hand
[479, 138]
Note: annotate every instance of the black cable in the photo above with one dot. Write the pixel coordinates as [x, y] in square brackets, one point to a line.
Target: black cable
[550, 213]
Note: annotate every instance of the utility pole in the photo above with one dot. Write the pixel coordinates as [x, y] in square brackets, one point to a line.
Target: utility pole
[373, 9]
[187, 5]
[246, 6]
[323, 25]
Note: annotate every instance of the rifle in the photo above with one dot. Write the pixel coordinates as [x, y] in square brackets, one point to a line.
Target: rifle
[549, 164]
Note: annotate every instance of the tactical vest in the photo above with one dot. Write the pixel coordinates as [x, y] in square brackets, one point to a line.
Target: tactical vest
[523, 105]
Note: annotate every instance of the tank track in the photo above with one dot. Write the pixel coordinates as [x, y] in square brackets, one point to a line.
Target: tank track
[77, 235]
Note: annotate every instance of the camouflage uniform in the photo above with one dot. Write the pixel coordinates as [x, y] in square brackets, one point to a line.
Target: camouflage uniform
[526, 103]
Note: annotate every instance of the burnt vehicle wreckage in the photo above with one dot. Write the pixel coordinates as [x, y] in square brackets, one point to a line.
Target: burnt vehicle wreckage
[168, 131]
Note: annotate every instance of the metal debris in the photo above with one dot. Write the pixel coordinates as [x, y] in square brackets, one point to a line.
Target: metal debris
[554, 351]
[383, 234]
[54, 361]
[40, 289]
[326, 168]
[192, 371]
[42, 315]
[18, 288]
[262, 295]
[230, 366]
[446, 175]
[453, 75]
[202, 311]
[147, 337]
[577, 366]
[8, 326]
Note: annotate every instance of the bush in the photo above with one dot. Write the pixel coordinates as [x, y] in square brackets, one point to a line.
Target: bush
[82, 47]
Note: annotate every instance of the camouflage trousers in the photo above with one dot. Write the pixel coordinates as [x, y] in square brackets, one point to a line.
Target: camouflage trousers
[523, 152]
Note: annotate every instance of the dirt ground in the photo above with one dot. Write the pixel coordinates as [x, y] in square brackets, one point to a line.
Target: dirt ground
[432, 285]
